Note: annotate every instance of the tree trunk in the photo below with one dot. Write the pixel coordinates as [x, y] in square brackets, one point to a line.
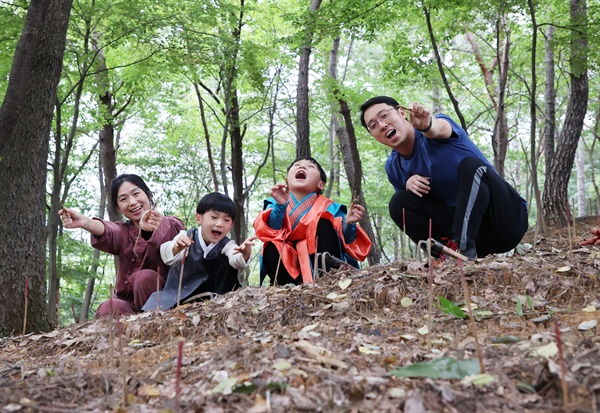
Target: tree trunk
[581, 192]
[108, 150]
[25, 123]
[211, 161]
[302, 111]
[350, 155]
[555, 192]
[89, 289]
[550, 101]
[440, 65]
[533, 119]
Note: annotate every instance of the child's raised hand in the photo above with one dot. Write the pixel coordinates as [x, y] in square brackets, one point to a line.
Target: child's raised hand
[181, 242]
[151, 220]
[281, 193]
[246, 248]
[355, 213]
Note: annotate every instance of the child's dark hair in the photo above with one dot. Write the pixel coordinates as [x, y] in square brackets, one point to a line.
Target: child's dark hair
[134, 179]
[217, 202]
[313, 161]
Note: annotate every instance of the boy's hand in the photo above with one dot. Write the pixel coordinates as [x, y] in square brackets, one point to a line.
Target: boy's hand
[280, 193]
[182, 242]
[354, 214]
[246, 248]
[150, 220]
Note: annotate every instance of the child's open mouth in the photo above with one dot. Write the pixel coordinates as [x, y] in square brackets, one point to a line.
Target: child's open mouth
[301, 174]
[216, 233]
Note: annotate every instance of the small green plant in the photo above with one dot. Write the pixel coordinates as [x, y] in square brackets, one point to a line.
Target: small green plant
[449, 307]
[528, 303]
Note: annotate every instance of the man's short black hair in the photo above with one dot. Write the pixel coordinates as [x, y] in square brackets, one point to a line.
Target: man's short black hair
[374, 101]
[217, 202]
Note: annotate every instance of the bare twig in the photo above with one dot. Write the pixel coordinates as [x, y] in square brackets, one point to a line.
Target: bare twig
[472, 325]
[26, 302]
[563, 369]
[430, 279]
[178, 374]
[181, 276]
[569, 227]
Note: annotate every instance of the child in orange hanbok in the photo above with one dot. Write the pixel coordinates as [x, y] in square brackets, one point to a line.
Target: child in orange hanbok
[298, 222]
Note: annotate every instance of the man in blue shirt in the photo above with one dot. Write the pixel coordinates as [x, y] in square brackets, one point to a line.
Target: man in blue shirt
[440, 174]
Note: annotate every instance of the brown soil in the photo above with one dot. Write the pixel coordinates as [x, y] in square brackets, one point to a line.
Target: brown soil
[333, 348]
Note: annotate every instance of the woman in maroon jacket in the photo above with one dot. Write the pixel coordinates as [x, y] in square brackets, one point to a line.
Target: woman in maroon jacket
[136, 242]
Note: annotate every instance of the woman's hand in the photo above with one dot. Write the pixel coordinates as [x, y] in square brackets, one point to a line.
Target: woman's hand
[354, 214]
[151, 220]
[418, 185]
[281, 193]
[72, 219]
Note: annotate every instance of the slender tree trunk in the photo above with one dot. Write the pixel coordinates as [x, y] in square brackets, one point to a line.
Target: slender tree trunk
[211, 161]
[440, 65]
[581, 192]
[25, 123]
[302, 106]
[89, 289]
[555, 192]
[533, 119]
[550, 114]
[350, 155]
[108, 150]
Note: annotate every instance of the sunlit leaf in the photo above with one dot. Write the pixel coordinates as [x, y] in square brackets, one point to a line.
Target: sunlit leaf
[450, 308]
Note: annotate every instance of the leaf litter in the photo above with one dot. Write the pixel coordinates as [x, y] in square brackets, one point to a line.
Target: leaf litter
[337, 346]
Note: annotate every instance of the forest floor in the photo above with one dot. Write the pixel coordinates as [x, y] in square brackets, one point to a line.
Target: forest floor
[339, 345]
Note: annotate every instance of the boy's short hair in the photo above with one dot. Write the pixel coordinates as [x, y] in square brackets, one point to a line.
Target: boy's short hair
[374, 101]
[217, 202]
[313, 161]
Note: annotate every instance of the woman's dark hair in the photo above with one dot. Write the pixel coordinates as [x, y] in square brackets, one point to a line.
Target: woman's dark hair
[217, 202]
[313, 161]
[134, 179]
[374, 101]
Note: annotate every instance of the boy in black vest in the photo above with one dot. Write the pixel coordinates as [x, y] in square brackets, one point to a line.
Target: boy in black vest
[212, 260]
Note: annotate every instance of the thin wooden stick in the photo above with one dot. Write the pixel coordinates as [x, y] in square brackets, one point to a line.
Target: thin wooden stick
[574, 225]
[123, 361]
[110, 330]
[404, 242]
[57, 310]
[315, 267]
[26, 302]
[74, 314]
[181, 276]
[563, 368]
[178, 374]
[472, 325]
[157, 287]
[569, 227]
[430, 278]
